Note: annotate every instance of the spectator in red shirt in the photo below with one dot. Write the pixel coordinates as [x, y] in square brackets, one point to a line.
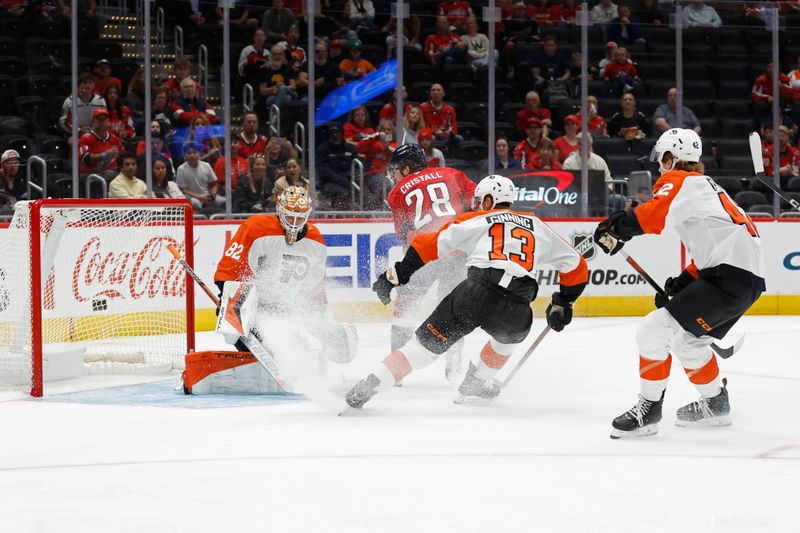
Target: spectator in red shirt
[389, 110]
[99, 148]
[190, 105]
[444, 47]
[182, 68]
[621, 72]
[789, 157]
[238, 167]
[597, 124]
[103, 77]
[544, 159]
[544, 14]
[569, 11]
[567, 143]
[533, 109]
[457, 12]
[357, 126]
[441, 118]
[378, 148]
[251, 142]
[761, 94]
[526, 150]
[120, 116]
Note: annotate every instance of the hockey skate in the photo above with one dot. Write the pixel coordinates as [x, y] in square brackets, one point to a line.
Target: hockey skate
[707, 411]
[476, 390]
[640, 420]
[362, 391]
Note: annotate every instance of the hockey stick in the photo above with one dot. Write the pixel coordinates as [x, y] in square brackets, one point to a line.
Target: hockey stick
[756, 154]
[502, 384]
[253, 343]
[719, 350]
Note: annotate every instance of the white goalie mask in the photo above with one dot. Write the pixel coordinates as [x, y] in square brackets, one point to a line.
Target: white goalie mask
[500, 188]
[294, 208]
[682, 144]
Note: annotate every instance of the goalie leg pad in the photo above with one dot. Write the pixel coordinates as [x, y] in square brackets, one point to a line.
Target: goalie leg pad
[220, 372]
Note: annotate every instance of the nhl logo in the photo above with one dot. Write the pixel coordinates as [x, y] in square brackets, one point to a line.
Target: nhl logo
[584, 244]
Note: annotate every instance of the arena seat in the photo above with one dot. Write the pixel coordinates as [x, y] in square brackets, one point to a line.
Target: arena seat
[472, 151]
[732, 108]
[793, 184]
[730, 184]
[737, 126]
[747, 199]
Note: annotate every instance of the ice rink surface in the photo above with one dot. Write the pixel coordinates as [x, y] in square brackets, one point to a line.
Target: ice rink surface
[537, 460]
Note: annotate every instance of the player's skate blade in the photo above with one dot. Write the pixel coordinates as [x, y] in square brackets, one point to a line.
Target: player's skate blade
[476, 390]
[641, 420]
[707, 412]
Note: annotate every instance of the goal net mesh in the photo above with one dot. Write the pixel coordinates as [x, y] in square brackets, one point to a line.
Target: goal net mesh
[112, 297]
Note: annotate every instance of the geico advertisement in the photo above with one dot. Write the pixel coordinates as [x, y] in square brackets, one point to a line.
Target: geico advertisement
[358, 252]
[781, 245]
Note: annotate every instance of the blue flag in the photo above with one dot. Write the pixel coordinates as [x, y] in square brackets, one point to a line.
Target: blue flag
[356, 93]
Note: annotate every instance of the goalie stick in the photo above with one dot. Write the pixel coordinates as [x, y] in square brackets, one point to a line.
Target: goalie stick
[719, 350]
[251, 340]
[756, 153]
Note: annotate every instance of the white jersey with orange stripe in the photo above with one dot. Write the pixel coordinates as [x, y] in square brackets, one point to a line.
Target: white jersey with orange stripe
[514, 242]
[713, 228]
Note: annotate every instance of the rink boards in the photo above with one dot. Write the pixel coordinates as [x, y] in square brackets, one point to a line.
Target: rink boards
[359, 250]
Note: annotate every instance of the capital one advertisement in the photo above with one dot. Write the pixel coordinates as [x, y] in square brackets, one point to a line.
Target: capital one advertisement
[556, 193]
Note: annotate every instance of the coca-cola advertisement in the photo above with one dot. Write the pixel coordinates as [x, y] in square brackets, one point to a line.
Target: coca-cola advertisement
[557, 193]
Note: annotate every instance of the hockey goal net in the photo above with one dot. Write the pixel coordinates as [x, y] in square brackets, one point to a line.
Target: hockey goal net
[89, 287]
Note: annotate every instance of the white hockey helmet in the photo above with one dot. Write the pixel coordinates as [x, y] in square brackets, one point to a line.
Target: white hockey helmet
[683, 144]
[500, 188]
[294, 208]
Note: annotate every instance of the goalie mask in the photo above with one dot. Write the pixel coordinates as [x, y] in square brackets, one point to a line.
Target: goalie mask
[500, 188]
[682, 144]
[294, 208]
[410, 155]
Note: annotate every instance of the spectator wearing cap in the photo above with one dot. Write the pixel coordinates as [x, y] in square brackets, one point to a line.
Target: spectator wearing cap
[527, 148]
[355, 67]
[103, 77]
[604, 12]
[625, 30]
[544, 158]
[190, 105]
[88, 103]
[295, 54]
[595, 162]
[277, 85]
[327, 74]
[533, 108]
[238, 167]
[566, 144]
[250, 141]
[457, 13]
[362, 14]
[126, 184]
[789, 157]
[444, 47]
[334, 157]
[99, 149]
[196, 179]
[254, 57]
[440, 117]
[276, 21]
[13, 186]
[629, 123]
[611, 48]
[699, 15]
[434, 156]
[503, 160]
[666, 117]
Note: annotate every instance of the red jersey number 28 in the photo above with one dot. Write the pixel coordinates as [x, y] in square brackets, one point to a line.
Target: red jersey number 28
[498, 252]
[439, 197]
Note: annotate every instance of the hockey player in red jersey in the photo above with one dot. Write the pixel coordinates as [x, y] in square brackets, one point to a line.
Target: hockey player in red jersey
[503, 250]
[422, 201]
[282, 259]
[725, 278]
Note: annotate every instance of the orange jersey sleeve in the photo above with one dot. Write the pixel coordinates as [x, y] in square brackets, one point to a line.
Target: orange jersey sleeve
[427, 244]
[234, 265]
[652, 215]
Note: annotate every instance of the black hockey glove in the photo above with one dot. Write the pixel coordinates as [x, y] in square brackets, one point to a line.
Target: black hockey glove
[607, 235]
[672, 287]
[559, 312]
[384, 284]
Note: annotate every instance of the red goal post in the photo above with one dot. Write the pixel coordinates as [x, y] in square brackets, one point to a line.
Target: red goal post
[92, 281]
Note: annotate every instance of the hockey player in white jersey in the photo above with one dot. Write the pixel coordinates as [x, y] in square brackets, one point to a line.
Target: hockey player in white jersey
[503, 250]
[725, 278]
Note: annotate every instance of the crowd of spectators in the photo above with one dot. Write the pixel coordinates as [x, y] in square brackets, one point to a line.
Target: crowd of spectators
[538, 69]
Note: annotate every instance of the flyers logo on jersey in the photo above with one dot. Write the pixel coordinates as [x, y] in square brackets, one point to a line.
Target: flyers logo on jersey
[294, 267]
